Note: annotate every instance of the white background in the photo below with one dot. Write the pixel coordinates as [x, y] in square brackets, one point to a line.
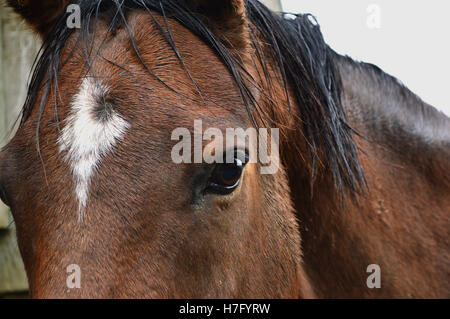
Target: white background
[412, 43]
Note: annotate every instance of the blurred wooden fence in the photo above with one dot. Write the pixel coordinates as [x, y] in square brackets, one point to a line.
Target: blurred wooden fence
[18, 49]
[275, 5]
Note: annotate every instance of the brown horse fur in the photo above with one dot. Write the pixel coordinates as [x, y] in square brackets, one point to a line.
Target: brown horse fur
[276, 236]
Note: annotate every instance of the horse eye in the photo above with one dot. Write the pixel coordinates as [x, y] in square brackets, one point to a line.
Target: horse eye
[225, 178]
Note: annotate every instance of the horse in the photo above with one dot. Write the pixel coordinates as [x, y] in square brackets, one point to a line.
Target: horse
[358, 206]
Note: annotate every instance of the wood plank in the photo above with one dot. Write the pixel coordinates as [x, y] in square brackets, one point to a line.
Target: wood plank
[12, 272]
[274, 5]
[3, 215]
[18, 48]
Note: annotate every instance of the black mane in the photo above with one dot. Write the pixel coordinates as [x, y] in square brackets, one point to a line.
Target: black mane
[297, 46]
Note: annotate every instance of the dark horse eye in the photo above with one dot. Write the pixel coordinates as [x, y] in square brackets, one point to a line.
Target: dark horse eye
[225, 177]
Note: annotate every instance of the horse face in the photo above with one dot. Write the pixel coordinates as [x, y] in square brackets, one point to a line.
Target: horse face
[103, 209]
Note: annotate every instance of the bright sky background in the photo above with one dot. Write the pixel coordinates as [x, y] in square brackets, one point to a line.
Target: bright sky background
[412, 43]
